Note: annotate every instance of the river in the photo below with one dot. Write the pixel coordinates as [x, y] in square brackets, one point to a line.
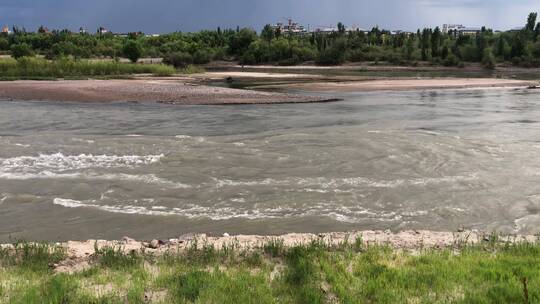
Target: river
[437, 160]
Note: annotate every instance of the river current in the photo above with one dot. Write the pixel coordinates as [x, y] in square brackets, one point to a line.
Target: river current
[436, 160]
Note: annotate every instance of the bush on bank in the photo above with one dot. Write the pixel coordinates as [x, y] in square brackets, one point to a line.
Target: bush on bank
[32, 67]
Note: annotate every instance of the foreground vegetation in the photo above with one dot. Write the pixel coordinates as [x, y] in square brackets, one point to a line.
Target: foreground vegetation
[317, 273]
[519, 47]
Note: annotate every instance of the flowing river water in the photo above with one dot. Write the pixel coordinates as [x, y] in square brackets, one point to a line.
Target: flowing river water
[435, 160]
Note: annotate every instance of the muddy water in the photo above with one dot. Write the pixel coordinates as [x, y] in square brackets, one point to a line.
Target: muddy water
[390, 160]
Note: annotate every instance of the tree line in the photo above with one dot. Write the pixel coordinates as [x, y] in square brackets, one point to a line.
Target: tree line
[520, 48]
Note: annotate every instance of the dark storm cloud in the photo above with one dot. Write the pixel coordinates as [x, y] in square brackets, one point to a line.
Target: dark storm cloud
[188, 15]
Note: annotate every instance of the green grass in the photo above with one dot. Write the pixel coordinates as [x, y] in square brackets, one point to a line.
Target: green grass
[39, 68]
[491, 272]
[192, 69]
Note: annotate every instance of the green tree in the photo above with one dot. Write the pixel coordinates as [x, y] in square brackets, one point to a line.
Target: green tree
[341, 28]
[268, 33]
[132, 50]
[4, 44]
[535, 51]
[409, 49]
[435, 42]
[178, 59]
[503, 48]
[240, 42]
[445, 51]
[518, 46]
[488, 60]
[424, 43]
[537, 32]
[21, 50]
[481, 44]
[531, 22]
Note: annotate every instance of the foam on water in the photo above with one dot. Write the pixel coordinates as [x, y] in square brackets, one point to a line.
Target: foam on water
[59, 162]
[4, 198]
[145, 178]
[347, 214]
[321, 184]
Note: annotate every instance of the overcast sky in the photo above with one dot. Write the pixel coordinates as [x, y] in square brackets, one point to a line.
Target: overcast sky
[158, 16]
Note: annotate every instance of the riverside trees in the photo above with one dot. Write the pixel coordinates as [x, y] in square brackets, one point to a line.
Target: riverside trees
[519, 47]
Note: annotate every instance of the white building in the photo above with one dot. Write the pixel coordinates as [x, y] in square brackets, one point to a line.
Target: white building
[102, 30]
[460, 29]
[290, 28]
[333, 29]
[5, 30]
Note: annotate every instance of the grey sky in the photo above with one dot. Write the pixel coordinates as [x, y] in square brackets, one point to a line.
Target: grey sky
[157, 16]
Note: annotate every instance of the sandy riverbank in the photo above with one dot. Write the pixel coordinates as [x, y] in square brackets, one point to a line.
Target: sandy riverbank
[189, 90]
[170, 91]
[403, 84]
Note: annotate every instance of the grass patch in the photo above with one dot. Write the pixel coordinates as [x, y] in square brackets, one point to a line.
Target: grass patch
[192, 69]
[42, 69]
[492, 272]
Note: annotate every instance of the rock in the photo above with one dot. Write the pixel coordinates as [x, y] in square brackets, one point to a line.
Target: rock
[154, 244]
[127, 240]
[226, 234]
[186, 237]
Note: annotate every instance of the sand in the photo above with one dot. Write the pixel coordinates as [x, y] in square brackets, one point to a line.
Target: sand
[266, 75]
[189, 90]
[404, 84]
[171, 91]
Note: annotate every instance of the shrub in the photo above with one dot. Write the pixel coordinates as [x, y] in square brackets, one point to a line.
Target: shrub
[132, 50]
[202, 56]
[28, 67]
[178, 59]
[356, 56]
[248, 58]
[193, 69]
[451, 60]
[21, 50]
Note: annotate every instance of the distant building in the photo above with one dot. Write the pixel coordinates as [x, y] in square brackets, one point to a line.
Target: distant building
[470, 31]
[399, 32]
[452, 28]
[460, 29]
[333, 29]
[5, 30]
[517, 29]
[102, 30]
[290, 28]
[82, 30]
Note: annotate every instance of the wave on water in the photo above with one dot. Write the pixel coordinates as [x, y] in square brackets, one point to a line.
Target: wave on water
[319, 184]
[59, 162]
[347, 214]
[151, 179]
